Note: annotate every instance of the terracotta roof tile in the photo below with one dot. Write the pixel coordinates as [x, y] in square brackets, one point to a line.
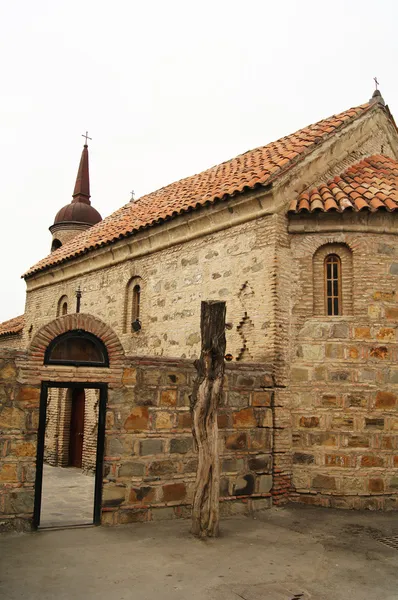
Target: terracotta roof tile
[372, 184]
[260, 166]
[12, 326]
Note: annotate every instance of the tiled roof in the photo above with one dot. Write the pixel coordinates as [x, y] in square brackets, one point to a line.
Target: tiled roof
[255, 168]
[12, 326]
[371, 184]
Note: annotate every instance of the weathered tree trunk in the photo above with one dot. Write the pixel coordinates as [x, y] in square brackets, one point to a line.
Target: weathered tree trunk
[205, 400]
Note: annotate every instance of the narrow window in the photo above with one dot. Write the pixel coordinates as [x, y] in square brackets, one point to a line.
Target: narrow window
[333, 285]
[64, 310]
[136, 303]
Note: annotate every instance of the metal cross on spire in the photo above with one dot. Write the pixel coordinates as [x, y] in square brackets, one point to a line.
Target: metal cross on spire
[87, 138]
[132, 195]
[376, 82]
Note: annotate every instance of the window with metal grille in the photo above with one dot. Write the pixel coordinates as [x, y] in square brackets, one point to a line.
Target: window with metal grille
[333, 285]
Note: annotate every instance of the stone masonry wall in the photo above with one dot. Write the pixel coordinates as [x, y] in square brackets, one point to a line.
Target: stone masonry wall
[235, 265]
[19, 408]
[150, 461]
[343, 391]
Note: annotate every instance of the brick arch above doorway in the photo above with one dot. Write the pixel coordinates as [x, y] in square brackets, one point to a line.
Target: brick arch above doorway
[35, 367]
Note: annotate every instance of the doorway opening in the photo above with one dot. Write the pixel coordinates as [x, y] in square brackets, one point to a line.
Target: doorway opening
[70, 454]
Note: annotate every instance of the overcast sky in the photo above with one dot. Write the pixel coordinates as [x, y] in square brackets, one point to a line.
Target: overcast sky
[165, 89]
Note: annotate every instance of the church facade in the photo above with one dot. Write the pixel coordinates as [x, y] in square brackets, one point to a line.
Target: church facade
[299, 238]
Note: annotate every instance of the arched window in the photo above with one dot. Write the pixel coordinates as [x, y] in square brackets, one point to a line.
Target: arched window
[56, 244]
[133, 305]
[78, 348]
[332, 273]
[62, 306]
[136, 303]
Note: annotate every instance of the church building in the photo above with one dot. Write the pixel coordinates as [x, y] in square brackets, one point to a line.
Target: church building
[299, 238]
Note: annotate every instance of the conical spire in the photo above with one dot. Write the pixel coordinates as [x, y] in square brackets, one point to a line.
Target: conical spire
[82, 186]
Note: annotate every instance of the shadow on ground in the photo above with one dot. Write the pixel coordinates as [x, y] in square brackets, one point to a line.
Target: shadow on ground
[284, 554]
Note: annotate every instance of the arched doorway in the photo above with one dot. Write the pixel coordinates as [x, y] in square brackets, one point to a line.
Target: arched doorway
[71, 433]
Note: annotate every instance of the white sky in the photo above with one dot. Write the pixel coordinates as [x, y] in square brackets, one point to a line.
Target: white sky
[165, 89]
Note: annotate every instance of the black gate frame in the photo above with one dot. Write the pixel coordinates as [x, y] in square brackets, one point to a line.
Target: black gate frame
[45, 385]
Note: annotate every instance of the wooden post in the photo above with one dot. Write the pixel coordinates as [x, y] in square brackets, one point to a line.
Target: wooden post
[205, 400]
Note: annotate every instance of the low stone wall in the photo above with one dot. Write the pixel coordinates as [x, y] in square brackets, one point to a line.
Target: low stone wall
[150, 461]
[344, 414]
[19, 409]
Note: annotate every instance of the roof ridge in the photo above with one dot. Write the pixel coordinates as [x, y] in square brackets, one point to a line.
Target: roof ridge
[260, 166]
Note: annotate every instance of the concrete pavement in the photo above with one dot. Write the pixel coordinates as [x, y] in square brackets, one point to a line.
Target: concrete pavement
[293, 552]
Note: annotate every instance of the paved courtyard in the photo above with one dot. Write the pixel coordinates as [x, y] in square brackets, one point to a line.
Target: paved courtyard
[284, 554]
[67, 497]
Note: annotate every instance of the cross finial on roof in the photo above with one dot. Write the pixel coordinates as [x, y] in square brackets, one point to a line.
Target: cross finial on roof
[376, 82]
[132, 195]
[87, 138]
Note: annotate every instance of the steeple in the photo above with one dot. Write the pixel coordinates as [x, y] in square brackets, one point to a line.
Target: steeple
[81, 192]
[79, 214]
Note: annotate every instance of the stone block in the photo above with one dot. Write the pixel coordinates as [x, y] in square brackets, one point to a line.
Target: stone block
[339, 376]
[184, 420]
[301, 458]
[386, 334]
[392, 313]
[175, 378]
[223, 420]
[372, 460]
[244, 419]
[133, 515]
[143, 494]
[309, 422]
[337, 460]
[262, 398]
[29, 394]
[244, 486]
[261, 463]
[358, 441]
[299, 374]
[379, 352]
[334, 351]
[181, 445]
[374, 423]
[151, 376]
[129, 376]
[173, 492]
[394, 268]
[340, 330]
[23, 449]
[324, 482]
[164, 420]
[356, 401]
[232, 465]
[163, 513]
[385, 400]
[168, 397]
[238, 399]
[236, 441]
[264, 484]
[12, 418]
[151, 446]
[162, 467]
[190, 466]
[264, 417]
[132, 469]
[113, 495]
[393, 483]
[8, 372]
[119, 446]
[8, 473]
[376, 485]
[342, 422]
[313, 352]
[331, 400]
[20, 501]
[260, 439]
[362, 332]
[138, 420]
